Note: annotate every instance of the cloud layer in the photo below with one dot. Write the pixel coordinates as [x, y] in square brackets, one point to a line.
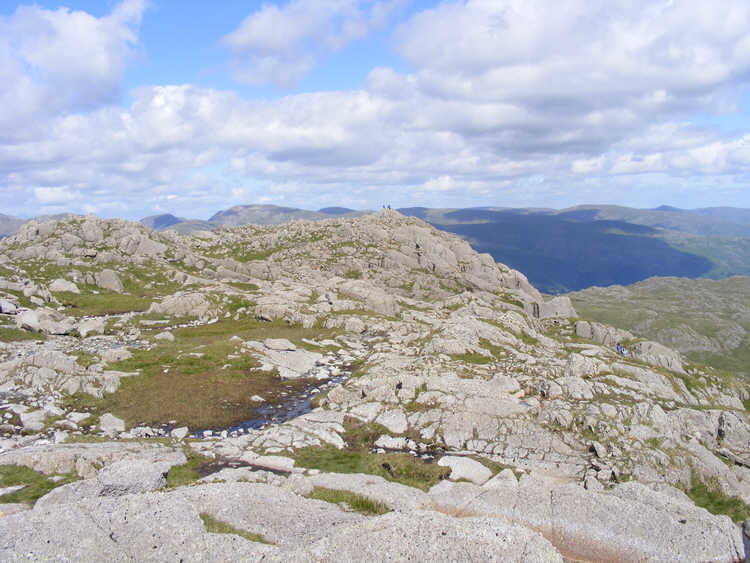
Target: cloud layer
[281, 45]
[508, 102]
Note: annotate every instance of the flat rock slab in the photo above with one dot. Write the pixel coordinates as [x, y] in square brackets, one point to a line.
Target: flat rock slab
[394, 495]
[86, 459]
[281, 344]
[632, 522]
[423, 536]
[150, 527]
[13, 508]
[117, 479]
[277, 514]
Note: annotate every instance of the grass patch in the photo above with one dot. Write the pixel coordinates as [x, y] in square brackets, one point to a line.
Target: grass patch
[353, 501]
[8, 334]
[215, 526]
[353, 275]
[104, 303]
[36, 484]
[356, 457]
[242, 286]
[86, 359]
[186, 473]
[251, 255]
[510, 299]
[526, 339]
[472, 358]
[708, 495]
[203, 379]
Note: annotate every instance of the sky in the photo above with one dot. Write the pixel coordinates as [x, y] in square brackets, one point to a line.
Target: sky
[140, 107]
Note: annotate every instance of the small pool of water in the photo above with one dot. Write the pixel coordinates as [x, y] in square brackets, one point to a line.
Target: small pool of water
[291, 406]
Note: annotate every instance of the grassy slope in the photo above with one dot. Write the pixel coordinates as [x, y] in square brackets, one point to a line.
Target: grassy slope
[708, 320]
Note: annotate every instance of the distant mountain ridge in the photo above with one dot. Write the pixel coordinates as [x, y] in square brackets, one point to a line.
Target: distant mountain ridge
[9, 224]
[560, 250]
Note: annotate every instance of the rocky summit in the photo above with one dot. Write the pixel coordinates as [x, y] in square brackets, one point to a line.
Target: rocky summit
[346, 389]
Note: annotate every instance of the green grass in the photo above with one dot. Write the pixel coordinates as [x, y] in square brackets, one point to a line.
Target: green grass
[8, 334]
[357, 458]
[708, 495]
[242, 286]
[526, 339]
[353, 275]
[353, 501]
[473, 358]
[510, 299]
[202, 379]
[186, 473]
[36, 484]
[215, 526]
[251, 255]
[104, 303]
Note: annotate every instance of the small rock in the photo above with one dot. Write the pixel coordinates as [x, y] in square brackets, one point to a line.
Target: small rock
[466, 468]
[592, 484]
[599, 450]
[110, 424]
[281, 344]
[116, 355]
[391, 442]
[33, 420]
[179, 433]
[7, 307]
[60, 436]
[166, 336]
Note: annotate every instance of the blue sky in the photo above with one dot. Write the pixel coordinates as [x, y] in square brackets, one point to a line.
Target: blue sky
[138, 107]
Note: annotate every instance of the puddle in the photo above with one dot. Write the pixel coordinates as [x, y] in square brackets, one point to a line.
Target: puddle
[290, 406]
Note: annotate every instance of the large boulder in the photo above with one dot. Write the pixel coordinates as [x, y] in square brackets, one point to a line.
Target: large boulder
[110, 424]
[181, 304]
[108, 279]
[125, 477]
[557, 307]
[8, 307]
[465, 468]
[601, 333]
[658, 355]
[63, 285]
[374, 299]
[45, 320]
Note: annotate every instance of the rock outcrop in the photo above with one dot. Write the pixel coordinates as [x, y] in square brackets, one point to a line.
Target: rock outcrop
[362, 339]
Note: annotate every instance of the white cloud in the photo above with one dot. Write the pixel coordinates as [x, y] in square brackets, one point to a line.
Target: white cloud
[280, 45]
[57, 194]
[60, 60]
[502, 107]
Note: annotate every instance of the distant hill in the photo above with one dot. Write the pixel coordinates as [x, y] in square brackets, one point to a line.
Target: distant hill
[161, 222]
[262, 215]
[708, 320]
[339, 211]
[588, 245]
[9, 224]
[183, 226]
[246, 214]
